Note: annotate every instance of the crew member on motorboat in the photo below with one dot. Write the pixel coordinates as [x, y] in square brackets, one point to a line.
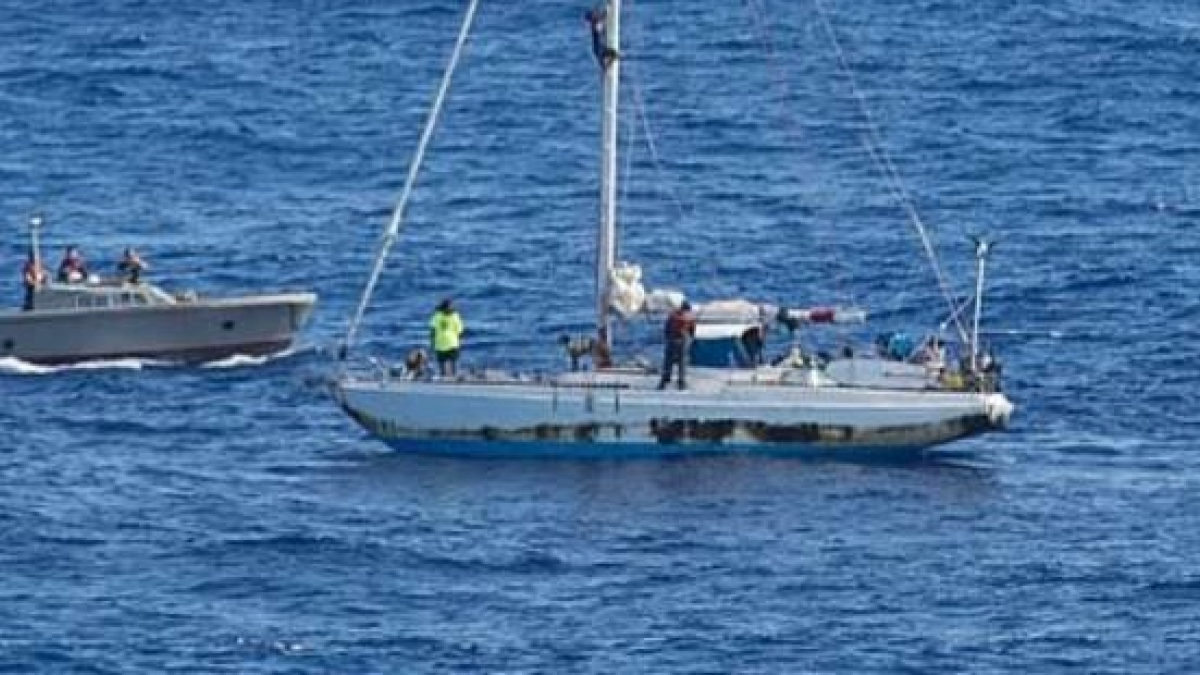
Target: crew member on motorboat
[73, 268]
[131, 266]
[34, 275]
[445, 334]
[678, 332]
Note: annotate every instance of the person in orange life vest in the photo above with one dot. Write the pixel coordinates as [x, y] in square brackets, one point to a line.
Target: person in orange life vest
[445, 333]
[73, 269]
[678, 332]
[34, 275]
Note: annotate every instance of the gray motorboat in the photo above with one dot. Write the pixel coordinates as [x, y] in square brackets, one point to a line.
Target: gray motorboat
[108, 319]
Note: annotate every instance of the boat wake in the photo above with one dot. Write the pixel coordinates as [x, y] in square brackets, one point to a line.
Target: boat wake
[245, 360]
[14, 366]
[11, 365]
[239, 361]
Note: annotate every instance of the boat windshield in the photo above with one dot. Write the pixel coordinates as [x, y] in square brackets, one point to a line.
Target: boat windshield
[94, 296]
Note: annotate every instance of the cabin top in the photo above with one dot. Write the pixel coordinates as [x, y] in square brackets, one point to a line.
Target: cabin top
[102, 295]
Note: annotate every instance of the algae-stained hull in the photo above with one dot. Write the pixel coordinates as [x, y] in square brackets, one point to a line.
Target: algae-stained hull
[191, 331]
[626, 415]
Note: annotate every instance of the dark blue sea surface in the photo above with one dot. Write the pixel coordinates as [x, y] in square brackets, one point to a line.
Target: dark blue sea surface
[159, 518]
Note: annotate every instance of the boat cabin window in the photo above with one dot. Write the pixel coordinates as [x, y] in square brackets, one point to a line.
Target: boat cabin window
[93, 301]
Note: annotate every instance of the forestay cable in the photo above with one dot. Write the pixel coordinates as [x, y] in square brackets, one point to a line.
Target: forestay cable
[873, 144]
[393, 229]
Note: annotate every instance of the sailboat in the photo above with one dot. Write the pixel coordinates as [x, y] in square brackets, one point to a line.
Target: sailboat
[614, 410]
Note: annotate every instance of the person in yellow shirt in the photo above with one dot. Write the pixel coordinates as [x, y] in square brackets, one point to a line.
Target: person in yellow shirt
[445, 334]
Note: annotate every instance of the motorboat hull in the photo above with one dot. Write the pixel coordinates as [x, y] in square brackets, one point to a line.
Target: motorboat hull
[197, 331]
[627, 416]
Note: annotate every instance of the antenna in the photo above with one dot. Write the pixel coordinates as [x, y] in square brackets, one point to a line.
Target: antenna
[35, 224]
[983, 248]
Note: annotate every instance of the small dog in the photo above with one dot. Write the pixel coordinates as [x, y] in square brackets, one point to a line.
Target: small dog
[416, 363]
[577, 347]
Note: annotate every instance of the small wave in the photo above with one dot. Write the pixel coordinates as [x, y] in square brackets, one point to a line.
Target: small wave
[245, 360]
[278, 646]
[527, 562]
[237, 361]
[1175, 589]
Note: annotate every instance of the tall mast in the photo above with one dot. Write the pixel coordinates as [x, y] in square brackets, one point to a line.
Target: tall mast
[606, 245]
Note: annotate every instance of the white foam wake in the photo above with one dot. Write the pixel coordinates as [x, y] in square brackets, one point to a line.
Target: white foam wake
[15, 366]
[241, 360]
[237, 361]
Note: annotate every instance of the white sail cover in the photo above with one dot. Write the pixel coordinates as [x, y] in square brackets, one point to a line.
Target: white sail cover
[732, 311]
[628, 297]
[626, 294]
[664, 301]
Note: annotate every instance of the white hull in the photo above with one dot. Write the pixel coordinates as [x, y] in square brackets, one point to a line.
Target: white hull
[193, 331]
[616, 413]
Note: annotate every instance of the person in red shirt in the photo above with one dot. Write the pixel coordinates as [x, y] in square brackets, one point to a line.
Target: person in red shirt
[678, 332]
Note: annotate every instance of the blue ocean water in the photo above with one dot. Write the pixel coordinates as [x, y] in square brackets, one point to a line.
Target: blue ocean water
[157, 518]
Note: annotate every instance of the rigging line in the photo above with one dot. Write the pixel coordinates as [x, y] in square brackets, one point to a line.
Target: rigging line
[639, 103]
[651, 145]
[759, 14]
[873, 144]
[681, 211]
[393, 229]
[632, 76]
[627, 170]
[629, 131]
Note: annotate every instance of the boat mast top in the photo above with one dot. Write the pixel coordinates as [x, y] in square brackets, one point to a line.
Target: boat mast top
[606, 42]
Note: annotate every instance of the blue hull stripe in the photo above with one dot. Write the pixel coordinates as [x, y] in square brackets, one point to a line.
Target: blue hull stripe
[548, 450]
